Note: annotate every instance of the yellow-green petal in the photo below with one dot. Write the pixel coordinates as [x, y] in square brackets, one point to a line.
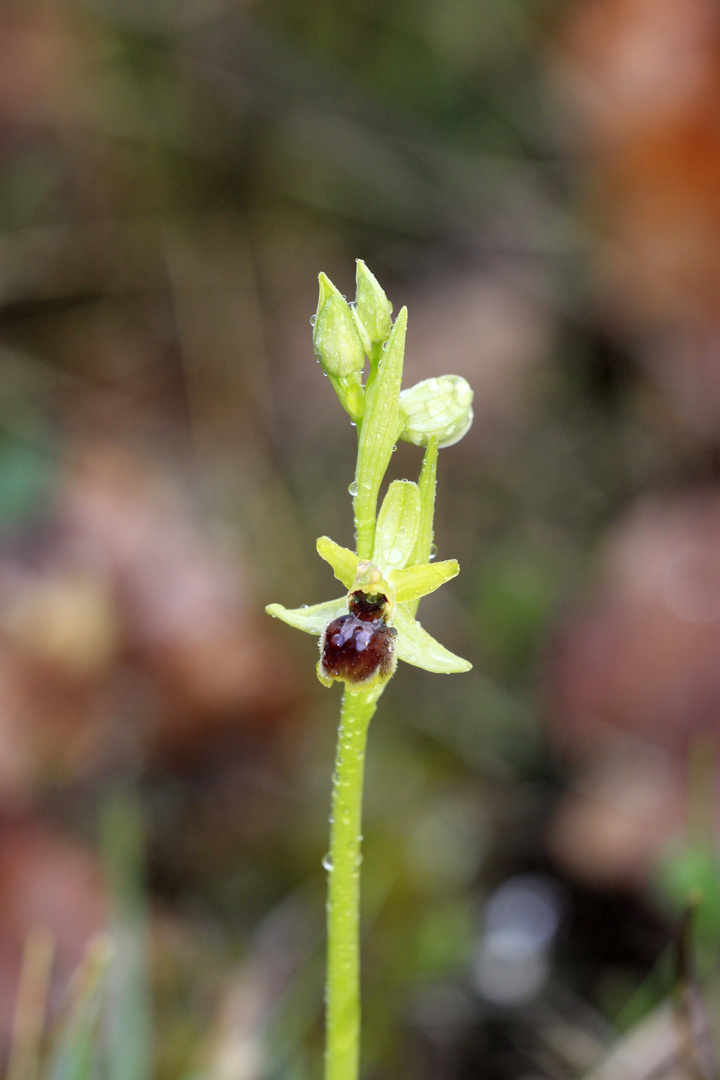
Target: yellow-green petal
[342, 560]
[417, 581]
[415, 646]
[312, 620]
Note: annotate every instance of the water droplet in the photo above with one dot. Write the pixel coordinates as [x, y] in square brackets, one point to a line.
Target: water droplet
[353, 424]
[394, 448]
[327, 861]
[303, 605]
[433, 551]
[312, 319]
[353, 488]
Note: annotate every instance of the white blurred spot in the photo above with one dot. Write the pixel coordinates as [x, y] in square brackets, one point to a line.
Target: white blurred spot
[521, 919]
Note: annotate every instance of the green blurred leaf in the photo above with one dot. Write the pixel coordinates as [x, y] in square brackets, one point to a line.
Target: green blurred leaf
[77, 1051]
[129, 1018]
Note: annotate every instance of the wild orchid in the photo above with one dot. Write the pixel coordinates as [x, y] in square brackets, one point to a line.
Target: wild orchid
[363, 633]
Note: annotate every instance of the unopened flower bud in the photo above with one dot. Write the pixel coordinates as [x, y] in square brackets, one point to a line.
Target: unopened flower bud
[372, 307]
[336, 340]
[441, 407]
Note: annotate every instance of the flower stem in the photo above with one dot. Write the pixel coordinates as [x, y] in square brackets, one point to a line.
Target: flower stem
[342, 992]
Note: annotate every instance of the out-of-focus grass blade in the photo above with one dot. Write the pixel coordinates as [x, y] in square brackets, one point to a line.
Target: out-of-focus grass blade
[129, 1020]
[78, 1043]
[31, 1005]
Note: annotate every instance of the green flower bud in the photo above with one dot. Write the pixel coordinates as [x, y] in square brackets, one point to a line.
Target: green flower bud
[440, 407]
[372, 308]
[336, 340]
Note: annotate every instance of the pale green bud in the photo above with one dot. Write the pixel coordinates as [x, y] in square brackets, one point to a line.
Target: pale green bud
[372, 307]
[440, 407]
[336, 340]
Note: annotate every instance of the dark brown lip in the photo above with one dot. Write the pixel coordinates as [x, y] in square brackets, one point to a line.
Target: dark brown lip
[357, 649]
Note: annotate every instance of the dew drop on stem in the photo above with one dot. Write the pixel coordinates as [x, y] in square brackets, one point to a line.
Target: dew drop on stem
[353, 488]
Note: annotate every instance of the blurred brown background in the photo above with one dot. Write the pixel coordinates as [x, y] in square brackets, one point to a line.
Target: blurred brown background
[540, 183]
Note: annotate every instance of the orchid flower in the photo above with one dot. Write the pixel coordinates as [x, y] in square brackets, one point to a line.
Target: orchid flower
[390, 585]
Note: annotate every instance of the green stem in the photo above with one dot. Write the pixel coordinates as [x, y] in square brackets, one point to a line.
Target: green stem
[342, 993]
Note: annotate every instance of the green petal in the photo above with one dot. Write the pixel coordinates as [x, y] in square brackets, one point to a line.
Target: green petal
[417, 581]
[397, 526]
[343, 561]
[378, 432]
[415, 646]
[312, 620]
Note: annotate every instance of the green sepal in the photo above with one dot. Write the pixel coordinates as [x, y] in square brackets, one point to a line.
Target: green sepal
[417, 581]
[343, 561]
[415, 646]
[439, 407]
[397, 526]
[336, 340]
[378, 432]
[372, 308]
[312, 620]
